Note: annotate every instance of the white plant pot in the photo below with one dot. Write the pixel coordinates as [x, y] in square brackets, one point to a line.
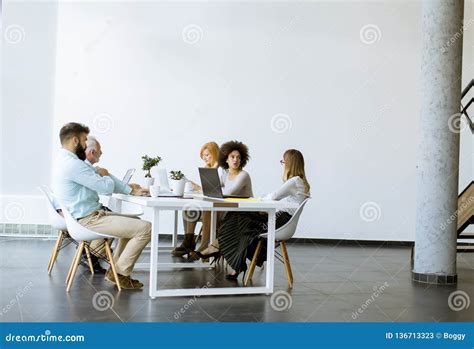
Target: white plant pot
[178, 187]
[149, 181]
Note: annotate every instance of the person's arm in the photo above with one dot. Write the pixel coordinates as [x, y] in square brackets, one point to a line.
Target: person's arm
[119, 187]
[196, 187]
[242, 185]
[87, 176]
[249, 186]
[288, 188]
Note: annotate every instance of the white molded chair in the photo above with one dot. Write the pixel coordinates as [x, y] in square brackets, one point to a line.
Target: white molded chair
[282, 234]
[57, 222]
[83, 236]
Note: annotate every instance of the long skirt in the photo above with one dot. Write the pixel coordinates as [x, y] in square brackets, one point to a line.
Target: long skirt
[238, 236]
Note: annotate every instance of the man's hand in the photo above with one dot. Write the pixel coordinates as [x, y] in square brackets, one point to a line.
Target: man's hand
[139, 191]
[134, 185]
[102, 171]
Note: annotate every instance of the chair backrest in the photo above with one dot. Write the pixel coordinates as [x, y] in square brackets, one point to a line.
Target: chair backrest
[287, 231]
[79, 232]
[55, 219]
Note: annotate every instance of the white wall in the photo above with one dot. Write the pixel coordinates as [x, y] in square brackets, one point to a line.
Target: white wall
[131, 72]
[28, 68]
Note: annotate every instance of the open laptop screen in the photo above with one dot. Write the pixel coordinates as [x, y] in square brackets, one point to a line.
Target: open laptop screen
[128, 176]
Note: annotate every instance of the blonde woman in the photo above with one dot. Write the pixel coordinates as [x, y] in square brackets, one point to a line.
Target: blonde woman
[238, 233]
[209, 153]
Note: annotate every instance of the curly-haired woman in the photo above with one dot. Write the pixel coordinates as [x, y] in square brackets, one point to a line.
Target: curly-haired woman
[233, 157]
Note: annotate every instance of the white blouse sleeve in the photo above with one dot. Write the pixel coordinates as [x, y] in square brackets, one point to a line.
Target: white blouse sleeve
[288, 188]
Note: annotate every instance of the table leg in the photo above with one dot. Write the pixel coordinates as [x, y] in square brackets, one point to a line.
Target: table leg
[270, 251]
[117, 205]
[174, 241]
[155, 228]
[213, 226]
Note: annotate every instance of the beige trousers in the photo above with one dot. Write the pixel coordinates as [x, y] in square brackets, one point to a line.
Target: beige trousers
[134, 234]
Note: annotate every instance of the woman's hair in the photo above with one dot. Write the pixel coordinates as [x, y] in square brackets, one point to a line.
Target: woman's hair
[228, 148]
[294, 166]
[212, 148]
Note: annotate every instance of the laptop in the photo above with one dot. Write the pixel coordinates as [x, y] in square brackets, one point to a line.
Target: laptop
[164, 183]
[211, 184]
[128, 176]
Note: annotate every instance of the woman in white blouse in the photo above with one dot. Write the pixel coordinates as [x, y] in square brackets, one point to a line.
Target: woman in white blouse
[239, 231]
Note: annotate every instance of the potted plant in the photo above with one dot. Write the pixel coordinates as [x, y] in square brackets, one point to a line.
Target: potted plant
[148, 164]
[177, 182]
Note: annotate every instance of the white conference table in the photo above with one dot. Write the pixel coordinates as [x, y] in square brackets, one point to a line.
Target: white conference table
[199, 203]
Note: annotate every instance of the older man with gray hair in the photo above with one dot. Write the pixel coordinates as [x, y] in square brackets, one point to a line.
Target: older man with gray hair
[93, 154]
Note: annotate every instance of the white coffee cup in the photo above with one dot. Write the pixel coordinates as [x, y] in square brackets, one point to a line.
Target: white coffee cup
[154, 191]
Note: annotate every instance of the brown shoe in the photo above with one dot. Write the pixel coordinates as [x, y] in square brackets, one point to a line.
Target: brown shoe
[110, 276]
[126, 282]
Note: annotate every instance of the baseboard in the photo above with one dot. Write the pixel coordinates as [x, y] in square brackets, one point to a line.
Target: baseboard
[46, 231]
[353, 242]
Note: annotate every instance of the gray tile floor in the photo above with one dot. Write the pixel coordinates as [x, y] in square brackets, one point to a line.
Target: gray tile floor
[332, 281]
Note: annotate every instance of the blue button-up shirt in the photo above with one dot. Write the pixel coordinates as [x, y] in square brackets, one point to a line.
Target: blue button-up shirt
[119, 187]
[77, 185]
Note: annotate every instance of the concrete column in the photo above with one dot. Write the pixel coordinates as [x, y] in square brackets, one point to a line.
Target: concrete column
[438, 150]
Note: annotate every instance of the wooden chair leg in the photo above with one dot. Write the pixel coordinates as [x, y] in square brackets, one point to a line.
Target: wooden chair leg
[286, 262]
[55, 253]
[198, 236]
[108, 252]
[72, 265]
[89, 261]
[253, 263]
[77, 259]
[55, 248]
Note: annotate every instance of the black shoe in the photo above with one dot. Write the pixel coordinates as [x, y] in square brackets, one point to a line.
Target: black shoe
[96, 266]
[234, 276]
[216, 255]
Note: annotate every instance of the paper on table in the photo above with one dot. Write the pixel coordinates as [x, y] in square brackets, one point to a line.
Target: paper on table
[243, 199]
